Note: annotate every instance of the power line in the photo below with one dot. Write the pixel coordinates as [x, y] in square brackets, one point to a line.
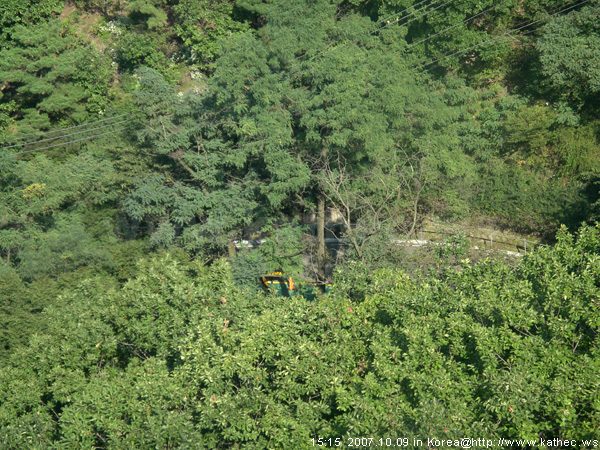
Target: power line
[397, 15]
[453, 26]
[392, 23]
[425, 14]
[403, 11]
[66, 135]
[327, 48]
[462, 51]
[69, 128]
[372, 32]
[388, 23]
[71, 142]
[130, 113]
[501, 36]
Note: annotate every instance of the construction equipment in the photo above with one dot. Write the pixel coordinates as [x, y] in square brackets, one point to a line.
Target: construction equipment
[286, 287]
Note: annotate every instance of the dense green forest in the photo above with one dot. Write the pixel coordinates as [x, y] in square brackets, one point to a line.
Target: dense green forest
[141, 141]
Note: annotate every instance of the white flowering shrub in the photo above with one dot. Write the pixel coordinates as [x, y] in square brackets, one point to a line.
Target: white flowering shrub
[114, 27]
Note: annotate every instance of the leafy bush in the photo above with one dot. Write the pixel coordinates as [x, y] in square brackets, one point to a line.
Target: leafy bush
[525, 201]
[180, 355]
[282, 250]
[457, 246]
[137, 49]
[200, 24]
[64, 248]
[31, 12]
[52, 77]
[246, 268]
[14, 311]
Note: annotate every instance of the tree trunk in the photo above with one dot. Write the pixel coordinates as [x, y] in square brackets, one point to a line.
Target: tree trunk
[231, 250]
[415, 215]
[321, 237]
[321, 260]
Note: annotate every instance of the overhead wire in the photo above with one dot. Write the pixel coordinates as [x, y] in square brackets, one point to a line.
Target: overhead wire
[66, 135]
[508, 33]
[389, 23]
[322, 52]
[402, 12]
[386, 19]
[327, 50]
[425, 14]
[61, 130]
[462, 51]
[26, 136]
[71, 142]
[453, 26]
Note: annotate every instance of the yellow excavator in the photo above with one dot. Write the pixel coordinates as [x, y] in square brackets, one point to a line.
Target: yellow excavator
[284, 286]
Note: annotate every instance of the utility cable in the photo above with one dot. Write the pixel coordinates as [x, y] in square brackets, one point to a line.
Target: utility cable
[323, 53]
[464, 21]
[69, 128]
[462, 51]
[501, 36]
[424, 14]
[402, 12]
[67, 135]
[396, 15]
[454, 26]
[328, 49]
[71, 142]
[390, 23]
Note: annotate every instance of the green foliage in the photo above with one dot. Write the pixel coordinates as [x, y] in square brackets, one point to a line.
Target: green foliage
[464, 36]
[260, 7]
[15, 311]
[358, 280]
[179, 355]
[246, 268]
[50, 76]
[570, 58]
[151, 12]
[525, 201]
[456, 246]
[62, 249]
[49, 186]
[529, 129]
[218, 194]
[24, 12]
[201, 24]
[374, 245]
[7, 121]
[577, 150]
[41, 201]
[534, 135]
[591, 190]
[271, 124]
[104, 346]
[106, 6]
[137, 49]
[110, 382]
[281, 250]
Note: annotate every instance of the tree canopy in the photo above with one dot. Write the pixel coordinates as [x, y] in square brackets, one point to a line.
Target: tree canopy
[426, 173]
[50, 76]
[179, 355]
